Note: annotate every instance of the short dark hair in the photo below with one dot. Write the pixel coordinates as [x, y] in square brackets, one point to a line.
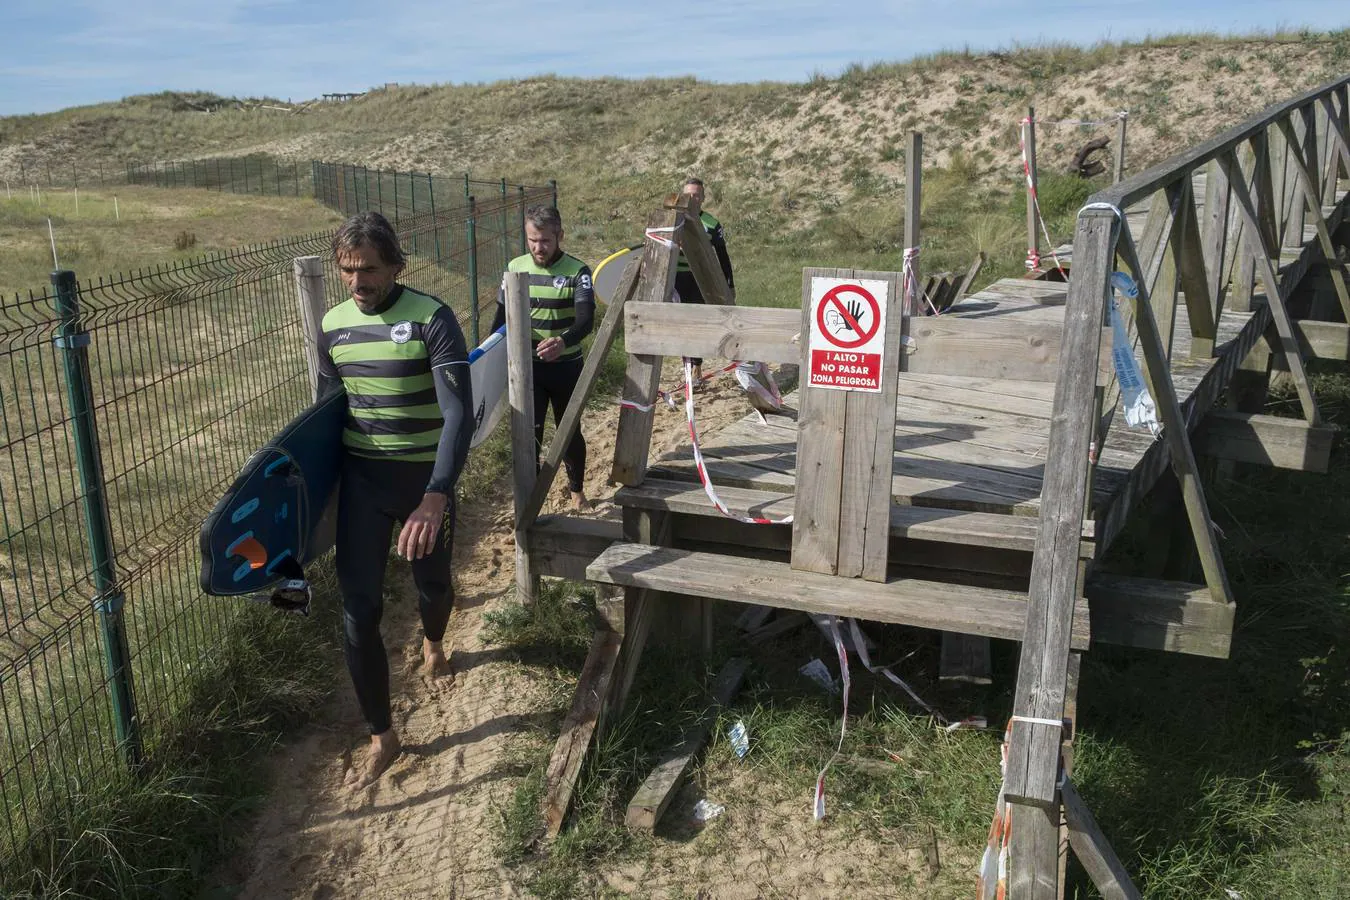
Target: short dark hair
[694, 180]
[373, 229]
[544, 217]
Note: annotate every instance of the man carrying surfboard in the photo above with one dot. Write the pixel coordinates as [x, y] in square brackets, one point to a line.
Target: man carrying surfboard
[685, 285]
[401, 357]
[562, 311]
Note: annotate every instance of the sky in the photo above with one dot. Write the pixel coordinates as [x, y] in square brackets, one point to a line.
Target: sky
[60, 53]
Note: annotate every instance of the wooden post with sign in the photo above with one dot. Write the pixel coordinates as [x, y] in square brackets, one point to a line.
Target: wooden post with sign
[850, 359]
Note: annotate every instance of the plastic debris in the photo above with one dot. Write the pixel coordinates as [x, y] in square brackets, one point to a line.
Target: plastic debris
[705, 811]
[816, 671]
[740, 738]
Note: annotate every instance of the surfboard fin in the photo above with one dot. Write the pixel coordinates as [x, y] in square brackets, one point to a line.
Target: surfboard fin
[294, 594]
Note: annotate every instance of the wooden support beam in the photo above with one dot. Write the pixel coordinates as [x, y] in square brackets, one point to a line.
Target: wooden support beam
[659, 788]
[1339, 132]
[702, 258]
[1312, 200]
[632, 444]
[964, 658]
[520, 392]
[1034, 748]
[1323, 340]
[579, 729]
[937, 345]
[1259, 250]
[1266, 440]
[1189, 253]
[969, 278]
[581, 395]
[1175, 432]
[907, 601]
[563, 546]
[1158, 615]
[1094, 851]
[1214, 236]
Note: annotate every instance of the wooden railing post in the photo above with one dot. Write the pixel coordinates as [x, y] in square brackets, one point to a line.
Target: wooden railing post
[1033, 763]
[520, 386]
[1033, 232]
[1120, 148]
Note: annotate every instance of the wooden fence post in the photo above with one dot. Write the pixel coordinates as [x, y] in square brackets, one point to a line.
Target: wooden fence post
[1119, 173]
[520, 353]
[1033, 234]
[310, 288]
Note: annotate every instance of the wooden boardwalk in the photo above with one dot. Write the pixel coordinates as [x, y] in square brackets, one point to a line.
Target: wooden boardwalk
[973, 447]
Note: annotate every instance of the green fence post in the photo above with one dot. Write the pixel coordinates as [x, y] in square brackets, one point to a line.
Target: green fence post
[412, 217]
[467, 196]
[435, 220]
[473, 275]
[506, 232]
[553, 186]
[74, 342]
[524, 244]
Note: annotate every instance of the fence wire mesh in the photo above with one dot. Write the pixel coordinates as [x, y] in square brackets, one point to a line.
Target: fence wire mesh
[191, 367]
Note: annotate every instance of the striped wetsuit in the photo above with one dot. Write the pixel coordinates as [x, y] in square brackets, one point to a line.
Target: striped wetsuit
[405, 369]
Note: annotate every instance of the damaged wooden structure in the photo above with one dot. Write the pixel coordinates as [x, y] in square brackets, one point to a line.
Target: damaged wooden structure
[977, 490]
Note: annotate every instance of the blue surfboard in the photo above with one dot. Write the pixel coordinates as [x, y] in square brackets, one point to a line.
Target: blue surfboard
[263, 530]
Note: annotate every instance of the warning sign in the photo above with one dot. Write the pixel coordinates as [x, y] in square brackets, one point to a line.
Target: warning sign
[848, 333]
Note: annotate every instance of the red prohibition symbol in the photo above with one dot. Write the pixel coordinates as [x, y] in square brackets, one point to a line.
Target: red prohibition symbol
[832, 298]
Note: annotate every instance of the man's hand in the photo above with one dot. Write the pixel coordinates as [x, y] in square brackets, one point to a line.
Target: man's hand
[550, 349]
[423, 527]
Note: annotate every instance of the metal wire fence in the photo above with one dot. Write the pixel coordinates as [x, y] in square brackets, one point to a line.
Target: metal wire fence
[257, 174]
[127, 405]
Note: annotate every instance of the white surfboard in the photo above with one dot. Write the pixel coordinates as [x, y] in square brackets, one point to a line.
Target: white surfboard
[605, 278]
[488, 377]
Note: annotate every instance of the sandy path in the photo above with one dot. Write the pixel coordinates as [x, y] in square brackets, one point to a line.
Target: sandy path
[426, 828]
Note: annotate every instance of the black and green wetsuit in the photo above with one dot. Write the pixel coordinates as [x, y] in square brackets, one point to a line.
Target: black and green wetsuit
[562, 304]
[685, 285]
[405, 368]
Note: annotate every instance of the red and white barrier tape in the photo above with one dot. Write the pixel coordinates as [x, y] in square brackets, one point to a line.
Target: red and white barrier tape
[1034, 258]
[656, 234]
[703, 469]
[992, 883]
[909, 285]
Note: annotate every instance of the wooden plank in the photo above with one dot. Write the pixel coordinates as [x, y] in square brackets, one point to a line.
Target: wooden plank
[659, 788]
[1158, 615]
[578, 729]
[964, 658]
[907, 601]
[1275, 300]
[1033, 753]
[702, 258]
[1323, 340]
[941, 345]
[871, 427]
[1266, 440]
[820, 460]
[563, 546]
[632, 443]
[1094, 851]
[1339, 133]
[782, 624]
[969, 278]
[1176, 435]
[520, 391]
[581, 395]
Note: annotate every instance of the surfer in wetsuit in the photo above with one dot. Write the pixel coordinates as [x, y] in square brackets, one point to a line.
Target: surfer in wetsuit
[562, 311]
[402, 359]
[685, 285]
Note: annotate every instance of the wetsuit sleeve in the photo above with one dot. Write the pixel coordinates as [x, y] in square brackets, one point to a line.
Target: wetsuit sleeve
[329, 379]
[583, 303]
[499, 318]
[719, 242]
[449, 360]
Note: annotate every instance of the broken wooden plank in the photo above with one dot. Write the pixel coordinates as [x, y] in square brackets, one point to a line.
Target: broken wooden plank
[1093, 850]
[652, 798]
[965, 658]
[583, 722]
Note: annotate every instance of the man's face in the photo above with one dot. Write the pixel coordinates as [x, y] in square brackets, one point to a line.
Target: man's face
[695, 194]
[543, 242]
[368, 278]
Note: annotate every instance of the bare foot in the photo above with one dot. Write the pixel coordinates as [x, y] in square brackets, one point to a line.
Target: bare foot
[384, 749]
[579, 501]
[436, 668]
